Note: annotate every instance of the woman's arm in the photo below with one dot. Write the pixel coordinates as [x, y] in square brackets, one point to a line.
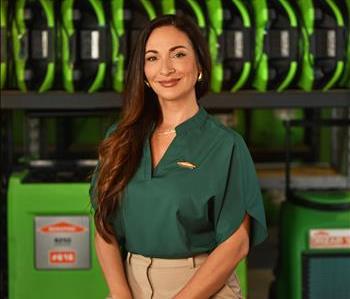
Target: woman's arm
[214, 272]
[112, 266]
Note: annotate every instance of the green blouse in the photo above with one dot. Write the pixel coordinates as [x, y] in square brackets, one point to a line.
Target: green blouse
[182, 209]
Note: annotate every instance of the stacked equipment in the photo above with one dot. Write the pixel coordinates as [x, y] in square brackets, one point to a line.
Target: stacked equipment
[118, 36]
[84, 57]
[33, 41]
[323, 41]
[3, 42]
[137, 14]
[190, 8]
[276, 45]
[260, 44]
[345, 79]
[230, 42]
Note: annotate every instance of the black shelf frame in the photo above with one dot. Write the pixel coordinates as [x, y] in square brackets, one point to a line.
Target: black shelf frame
[246, 99]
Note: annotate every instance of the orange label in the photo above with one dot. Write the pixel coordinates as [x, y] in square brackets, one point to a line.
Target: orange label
[62, 257]
[62, 227]
[329, 238]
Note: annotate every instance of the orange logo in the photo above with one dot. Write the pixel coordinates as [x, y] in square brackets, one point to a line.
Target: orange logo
[321, 233]
[62, 227]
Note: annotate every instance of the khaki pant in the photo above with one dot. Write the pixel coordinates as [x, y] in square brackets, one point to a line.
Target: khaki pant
[155, 278]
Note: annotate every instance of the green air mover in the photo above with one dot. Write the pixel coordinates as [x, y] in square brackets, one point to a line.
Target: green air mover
[189, 8]
[323, 43]
[33, 39]
[276, 45]
[3, 42]
[83, 45]
[231, 42]
[137, 13]
[50, 235]
[345, 79]
[314, 258]
[260, 64]
[132, 15]
[118, 44]
[215, 37]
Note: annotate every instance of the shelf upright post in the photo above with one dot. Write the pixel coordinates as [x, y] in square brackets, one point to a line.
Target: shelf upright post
[288, 149]
[348, 151]
[6, 166]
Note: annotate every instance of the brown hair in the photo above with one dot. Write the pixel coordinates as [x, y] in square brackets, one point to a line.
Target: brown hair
[120, 153]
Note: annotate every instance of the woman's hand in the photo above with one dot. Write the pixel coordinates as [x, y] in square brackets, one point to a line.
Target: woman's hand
[214, 272]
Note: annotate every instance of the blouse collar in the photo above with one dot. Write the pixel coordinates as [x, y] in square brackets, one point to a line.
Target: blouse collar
[194, 121]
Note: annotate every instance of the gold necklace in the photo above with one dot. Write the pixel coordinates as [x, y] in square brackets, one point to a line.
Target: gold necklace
[169, 131]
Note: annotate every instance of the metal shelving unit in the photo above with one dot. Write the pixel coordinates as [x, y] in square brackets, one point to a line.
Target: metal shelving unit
[303, 177]
[60, 103]
[54, 100]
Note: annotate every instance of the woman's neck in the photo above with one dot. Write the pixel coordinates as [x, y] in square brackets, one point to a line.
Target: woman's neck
[175, 113]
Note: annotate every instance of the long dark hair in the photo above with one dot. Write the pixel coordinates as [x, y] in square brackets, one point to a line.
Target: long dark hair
[120, 153]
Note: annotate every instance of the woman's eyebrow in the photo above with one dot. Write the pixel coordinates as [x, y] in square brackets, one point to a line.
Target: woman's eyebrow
[177, 47]
[170, 50]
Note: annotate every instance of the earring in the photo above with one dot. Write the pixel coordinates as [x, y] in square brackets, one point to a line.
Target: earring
[200, 76]
[146, 82]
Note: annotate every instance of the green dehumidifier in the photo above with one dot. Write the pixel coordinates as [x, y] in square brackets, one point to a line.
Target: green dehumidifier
[33, 43]
[314, 258]
[314, 240]
[276, 45]
[231, 40]
[50, 234]
[323, 41]
[267, 123]
[84, 56]
[3, 42]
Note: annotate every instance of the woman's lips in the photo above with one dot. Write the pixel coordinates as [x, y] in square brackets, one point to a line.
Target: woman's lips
[169, 83]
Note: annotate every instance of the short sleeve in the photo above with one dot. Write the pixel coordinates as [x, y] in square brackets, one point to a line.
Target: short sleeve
[93, 181]
[241, 195]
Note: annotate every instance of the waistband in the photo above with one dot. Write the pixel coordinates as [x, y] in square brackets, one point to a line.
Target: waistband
[153, 262]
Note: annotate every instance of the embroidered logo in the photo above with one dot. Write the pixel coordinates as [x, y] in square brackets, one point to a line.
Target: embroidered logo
[185, 164]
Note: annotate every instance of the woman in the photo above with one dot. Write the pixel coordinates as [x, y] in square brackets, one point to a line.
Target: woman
[176, 198]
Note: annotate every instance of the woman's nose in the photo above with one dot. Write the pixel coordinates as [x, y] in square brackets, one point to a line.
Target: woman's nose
[167, 67]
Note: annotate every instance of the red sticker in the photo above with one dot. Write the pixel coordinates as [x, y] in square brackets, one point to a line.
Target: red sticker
[62, 257]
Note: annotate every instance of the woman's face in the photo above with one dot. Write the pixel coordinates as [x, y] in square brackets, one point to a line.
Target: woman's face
[170, 64]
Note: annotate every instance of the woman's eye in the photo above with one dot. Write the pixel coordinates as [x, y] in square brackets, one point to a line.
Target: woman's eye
[179, 54]
[151, 58]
